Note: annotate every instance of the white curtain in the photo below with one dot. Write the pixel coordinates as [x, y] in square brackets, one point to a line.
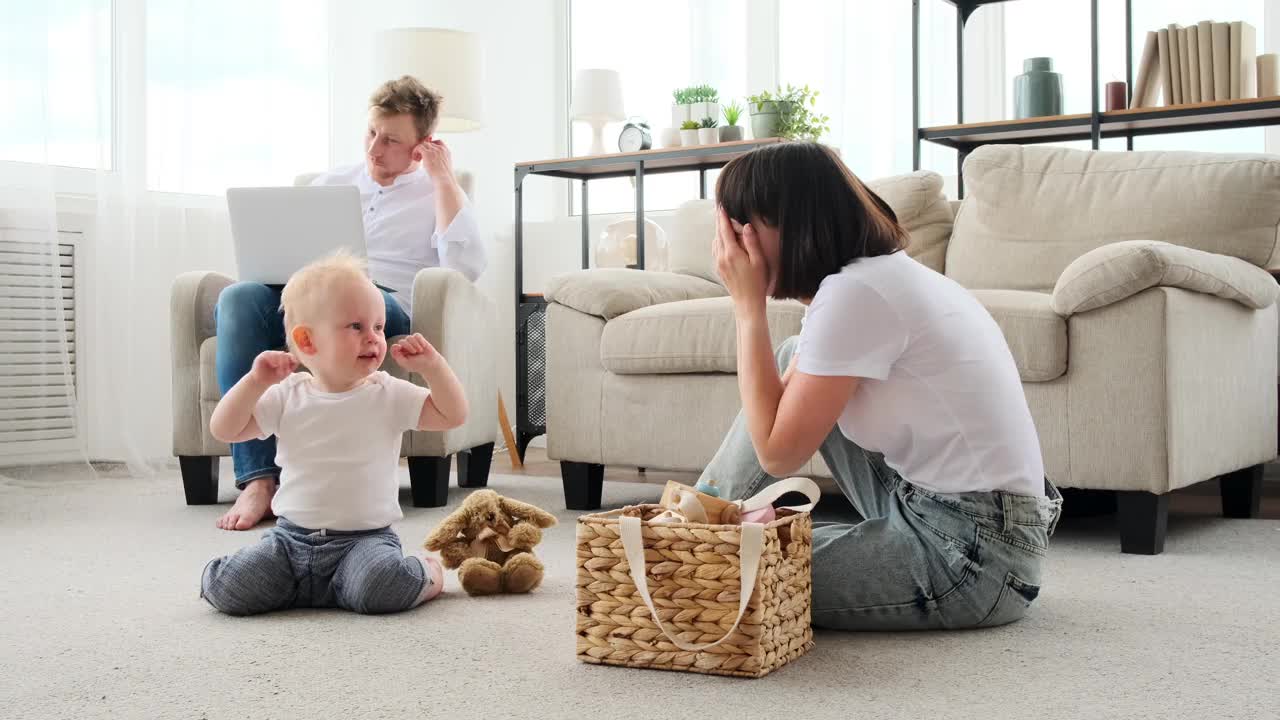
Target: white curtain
[121, 127]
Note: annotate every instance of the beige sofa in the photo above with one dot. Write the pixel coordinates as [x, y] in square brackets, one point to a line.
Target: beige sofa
[1129, 286]
[449, 311]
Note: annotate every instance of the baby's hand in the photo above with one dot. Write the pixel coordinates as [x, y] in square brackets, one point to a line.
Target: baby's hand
[273, 366]
[414, 353]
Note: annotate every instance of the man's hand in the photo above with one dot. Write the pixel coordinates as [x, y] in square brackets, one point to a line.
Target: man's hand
[415, 354]
[272, 366]
[435, 158]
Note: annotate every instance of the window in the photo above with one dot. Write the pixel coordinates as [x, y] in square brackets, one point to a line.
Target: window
[55, 83]
[656, 47]
[237, 93]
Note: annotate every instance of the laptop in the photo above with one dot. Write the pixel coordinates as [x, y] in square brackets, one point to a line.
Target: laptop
[278, 230]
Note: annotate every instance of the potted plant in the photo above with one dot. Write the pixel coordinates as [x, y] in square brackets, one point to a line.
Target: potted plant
[707, 132]
[766, 114]
[731, 132]
[689, 133]
[706, 102]
[788, 112]
[681, 109]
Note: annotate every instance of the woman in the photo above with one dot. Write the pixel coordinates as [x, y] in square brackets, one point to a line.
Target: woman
[903, 382]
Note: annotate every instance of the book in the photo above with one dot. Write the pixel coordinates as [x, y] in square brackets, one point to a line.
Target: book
[1235, 60]
[1166, 72]
[1221, 61]
[1184, 65]
[1146, 87]
[1175, 64]
[1206, 59]
[1193, 63]
[1248, 61]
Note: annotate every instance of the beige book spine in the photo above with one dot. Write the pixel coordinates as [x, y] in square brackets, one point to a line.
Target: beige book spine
[1206, 59]
[1221, 61]
[1175, 64]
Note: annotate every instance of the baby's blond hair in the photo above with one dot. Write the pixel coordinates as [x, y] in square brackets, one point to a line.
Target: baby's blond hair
[304, 293]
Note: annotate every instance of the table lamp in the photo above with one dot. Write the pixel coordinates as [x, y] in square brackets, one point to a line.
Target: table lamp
[447, 61]
[597, 99]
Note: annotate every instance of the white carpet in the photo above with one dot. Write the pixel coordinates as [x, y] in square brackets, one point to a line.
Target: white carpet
[101, 619]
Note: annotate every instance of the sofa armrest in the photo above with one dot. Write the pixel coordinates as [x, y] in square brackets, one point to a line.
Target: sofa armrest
[1114, 272]
[608, 293]
[191, 302]
[460, 321]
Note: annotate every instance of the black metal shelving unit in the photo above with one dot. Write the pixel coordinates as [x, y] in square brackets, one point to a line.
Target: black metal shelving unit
[1094, 125]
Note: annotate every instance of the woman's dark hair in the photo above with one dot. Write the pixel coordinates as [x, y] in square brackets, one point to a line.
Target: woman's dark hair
[826, 218]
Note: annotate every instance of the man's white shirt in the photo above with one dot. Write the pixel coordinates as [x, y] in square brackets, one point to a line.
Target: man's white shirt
[400, 229]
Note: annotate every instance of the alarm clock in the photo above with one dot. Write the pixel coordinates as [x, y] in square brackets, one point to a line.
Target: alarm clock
[635, 137]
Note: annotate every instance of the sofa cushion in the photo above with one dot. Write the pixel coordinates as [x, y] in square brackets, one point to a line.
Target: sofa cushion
[692, 336]
[1112, 273]
[1037, 335]
[923, 210]
[916, 198]
[1030, 211]
[608, 293]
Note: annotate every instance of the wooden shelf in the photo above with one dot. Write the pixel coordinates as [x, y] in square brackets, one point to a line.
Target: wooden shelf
[661, 160]
[1253, 112]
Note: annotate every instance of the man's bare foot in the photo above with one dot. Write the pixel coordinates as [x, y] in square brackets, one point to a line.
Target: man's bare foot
[253, 504]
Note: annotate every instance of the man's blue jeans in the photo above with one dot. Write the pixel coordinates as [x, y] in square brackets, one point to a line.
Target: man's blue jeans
[249, 322]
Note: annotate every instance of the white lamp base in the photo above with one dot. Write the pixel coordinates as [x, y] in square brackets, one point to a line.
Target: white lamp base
[597, 138]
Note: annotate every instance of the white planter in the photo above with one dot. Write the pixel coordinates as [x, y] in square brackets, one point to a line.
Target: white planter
[680, 113]
[708, 136]
[670, 137]
[689, 138]
[704, 110]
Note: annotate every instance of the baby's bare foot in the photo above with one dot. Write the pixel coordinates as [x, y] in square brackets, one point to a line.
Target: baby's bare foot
[435, 578]
[253, 504]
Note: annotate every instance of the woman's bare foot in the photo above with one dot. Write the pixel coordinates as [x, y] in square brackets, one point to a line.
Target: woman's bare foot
[253, 504]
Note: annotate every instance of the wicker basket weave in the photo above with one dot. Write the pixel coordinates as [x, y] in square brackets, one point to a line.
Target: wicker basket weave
[694, 578]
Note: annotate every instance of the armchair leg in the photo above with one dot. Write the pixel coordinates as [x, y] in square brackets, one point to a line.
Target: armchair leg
[199, 478]
[1242, 493]
[582, 485]
[429, 480]
[1144, 518]
[473, 466]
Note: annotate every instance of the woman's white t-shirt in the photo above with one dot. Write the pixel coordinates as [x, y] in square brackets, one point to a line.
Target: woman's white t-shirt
[940, 395]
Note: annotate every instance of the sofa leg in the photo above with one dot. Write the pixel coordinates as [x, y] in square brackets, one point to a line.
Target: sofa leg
[473, 466]
[199, 478]
[1242, 493]
[582, 485]
[1144, 518]
[429, 480]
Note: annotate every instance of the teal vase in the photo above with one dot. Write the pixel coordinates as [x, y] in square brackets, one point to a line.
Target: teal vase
[1038, 90]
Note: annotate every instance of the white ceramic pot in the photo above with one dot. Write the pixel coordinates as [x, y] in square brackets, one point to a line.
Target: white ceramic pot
[704, 110]
[670, 137]
[708, 136]
[680, 113]
[689, 138]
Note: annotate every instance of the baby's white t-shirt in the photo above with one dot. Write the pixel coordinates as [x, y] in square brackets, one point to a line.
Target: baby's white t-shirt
[339, 453]
[940, 394]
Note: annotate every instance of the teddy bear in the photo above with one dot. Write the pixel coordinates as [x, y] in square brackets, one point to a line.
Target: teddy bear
[489, 540]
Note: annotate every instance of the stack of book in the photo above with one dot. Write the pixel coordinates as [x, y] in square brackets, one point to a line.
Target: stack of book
[1205, 62]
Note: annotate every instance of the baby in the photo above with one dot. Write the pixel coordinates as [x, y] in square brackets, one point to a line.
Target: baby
[338, 431]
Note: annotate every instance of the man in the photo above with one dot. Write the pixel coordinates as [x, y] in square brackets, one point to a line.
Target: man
[415, 216]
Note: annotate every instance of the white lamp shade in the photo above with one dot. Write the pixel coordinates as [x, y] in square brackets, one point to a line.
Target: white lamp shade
[597, 96]
[447, 61]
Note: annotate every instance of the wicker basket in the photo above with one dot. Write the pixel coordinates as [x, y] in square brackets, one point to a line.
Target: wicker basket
[694, 576]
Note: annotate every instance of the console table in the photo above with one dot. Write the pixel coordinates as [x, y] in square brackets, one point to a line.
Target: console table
[530, 307]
